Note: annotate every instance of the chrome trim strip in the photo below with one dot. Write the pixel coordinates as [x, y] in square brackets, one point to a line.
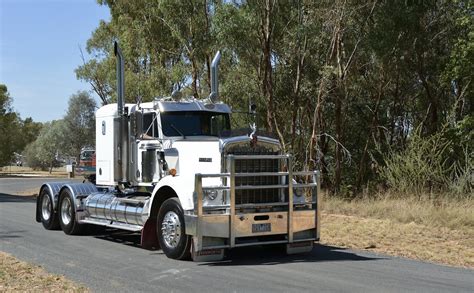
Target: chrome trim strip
[259, 243]
[245, 187]
[318, 205]
[302, 185]
[216, 188]
[290, 198]
[261, 174]
[198, 192]
[302, 173]
[231, 160]
[227, 142]
[258, 157]
[101, 222]
[216, 175]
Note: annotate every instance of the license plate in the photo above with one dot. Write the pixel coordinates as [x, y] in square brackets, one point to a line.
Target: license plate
[257, 228]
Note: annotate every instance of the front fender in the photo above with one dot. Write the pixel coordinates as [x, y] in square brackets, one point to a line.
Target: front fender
[183, 188]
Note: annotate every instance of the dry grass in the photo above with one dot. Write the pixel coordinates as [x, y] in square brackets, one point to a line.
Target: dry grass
[19, 276]
[29, 192]
[56, 172]
[454, 214]
[435, 231]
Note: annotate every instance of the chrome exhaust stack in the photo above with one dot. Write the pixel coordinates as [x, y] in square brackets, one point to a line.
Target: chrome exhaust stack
[214, 96]
[120, 79]
[122, 142]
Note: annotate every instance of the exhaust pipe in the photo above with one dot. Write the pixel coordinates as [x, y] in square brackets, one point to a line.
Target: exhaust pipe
[122, 144]
[214, 96]
[120, 79]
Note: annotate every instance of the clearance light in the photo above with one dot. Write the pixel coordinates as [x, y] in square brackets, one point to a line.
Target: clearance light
[172, 172]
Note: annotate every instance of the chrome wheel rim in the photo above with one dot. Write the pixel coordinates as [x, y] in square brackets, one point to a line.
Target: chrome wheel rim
[46, 207]
[171, 229]
[66, 211]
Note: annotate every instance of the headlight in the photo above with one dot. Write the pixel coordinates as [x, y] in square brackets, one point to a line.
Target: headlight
[297, 191]
[298, 197]
[211, 194]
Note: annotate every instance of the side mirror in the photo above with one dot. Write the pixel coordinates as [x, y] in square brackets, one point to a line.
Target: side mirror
[136, 122]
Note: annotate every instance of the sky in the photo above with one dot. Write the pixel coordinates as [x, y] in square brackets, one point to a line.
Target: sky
[39, 50]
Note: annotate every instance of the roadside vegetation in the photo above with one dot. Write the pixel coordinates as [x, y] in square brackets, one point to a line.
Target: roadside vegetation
[434, 230]
[45, 146]
[425, 211]
[19, 276]
[27, 171]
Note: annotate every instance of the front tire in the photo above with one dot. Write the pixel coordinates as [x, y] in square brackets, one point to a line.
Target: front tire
[49, 218]
[67, 214]
[171, 230]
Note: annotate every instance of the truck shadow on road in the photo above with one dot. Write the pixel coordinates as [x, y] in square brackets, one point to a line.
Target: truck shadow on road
[272, 255]
[257, 255]
[117, 236]
[4, 197]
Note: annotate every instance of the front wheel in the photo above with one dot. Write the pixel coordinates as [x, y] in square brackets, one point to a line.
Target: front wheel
[67, 214]
[171, 230]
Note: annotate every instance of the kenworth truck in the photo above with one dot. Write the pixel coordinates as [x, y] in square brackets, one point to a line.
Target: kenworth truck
[171, 170]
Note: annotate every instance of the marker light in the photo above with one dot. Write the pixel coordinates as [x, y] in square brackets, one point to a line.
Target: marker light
[172, 172]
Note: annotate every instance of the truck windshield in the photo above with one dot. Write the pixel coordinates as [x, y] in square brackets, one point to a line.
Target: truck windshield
[194, 123]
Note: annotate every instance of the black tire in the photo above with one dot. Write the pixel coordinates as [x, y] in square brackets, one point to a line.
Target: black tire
[181, 249]
[67, 214]
[50, 222]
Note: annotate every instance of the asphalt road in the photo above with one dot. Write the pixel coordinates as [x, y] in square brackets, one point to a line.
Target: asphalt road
[112, 261]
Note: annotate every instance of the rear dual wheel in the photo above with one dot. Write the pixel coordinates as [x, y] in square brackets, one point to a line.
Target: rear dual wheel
[67, 214]
[49, 218]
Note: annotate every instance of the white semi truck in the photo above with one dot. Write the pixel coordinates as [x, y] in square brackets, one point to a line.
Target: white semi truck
[171, 170]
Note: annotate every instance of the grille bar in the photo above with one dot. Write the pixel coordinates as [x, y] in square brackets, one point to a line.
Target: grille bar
[256, 182]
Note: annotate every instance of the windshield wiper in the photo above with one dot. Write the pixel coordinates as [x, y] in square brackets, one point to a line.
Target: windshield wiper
[177, 130]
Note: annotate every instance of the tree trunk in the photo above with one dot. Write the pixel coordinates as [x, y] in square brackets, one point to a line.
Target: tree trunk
[338, 152]
[362, 167]
[195, 78]
[267, 66]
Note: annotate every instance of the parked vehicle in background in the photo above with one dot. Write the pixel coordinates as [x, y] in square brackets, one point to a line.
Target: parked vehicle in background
[87, 162]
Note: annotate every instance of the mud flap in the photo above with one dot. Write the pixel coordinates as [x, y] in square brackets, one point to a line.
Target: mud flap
[299, 247]
[206, 255]
[38, 209]
[149, 240]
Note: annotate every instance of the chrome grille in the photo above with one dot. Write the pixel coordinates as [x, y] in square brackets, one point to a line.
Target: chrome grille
[249, 196]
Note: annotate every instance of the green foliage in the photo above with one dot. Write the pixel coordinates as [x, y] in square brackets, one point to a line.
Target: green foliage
[343, 84]
[43, 152]
[420, 168]
[65, 137]
[79, 124]
[10, 123]
[15, 133]
[440, 163]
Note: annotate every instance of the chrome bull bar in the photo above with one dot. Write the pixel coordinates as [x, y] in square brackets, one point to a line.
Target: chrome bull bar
[230, 226]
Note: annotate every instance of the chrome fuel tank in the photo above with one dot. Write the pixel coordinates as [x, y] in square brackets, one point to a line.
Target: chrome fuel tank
[108, 206]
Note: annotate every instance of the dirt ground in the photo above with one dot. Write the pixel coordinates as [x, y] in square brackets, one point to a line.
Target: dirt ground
[18, 170]
[411, 240]
[19, 276]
